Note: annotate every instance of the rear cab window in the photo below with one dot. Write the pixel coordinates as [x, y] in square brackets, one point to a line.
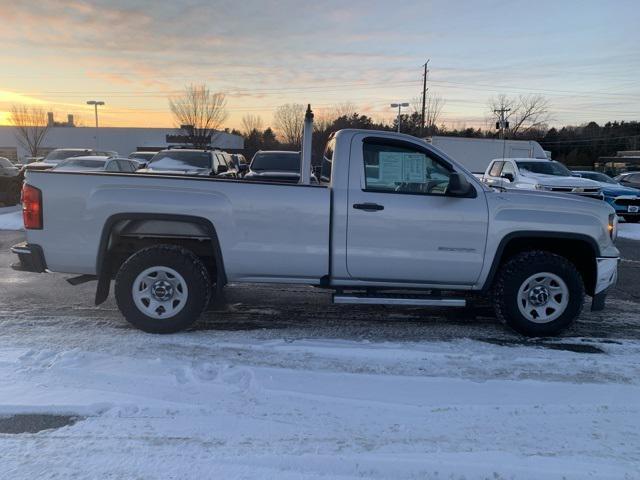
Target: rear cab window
[496, 168]
[327, 161]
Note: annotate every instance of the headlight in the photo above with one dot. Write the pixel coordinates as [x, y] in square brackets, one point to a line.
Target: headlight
[613, 226]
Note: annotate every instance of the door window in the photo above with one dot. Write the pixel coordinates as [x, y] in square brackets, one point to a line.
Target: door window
[400, 169]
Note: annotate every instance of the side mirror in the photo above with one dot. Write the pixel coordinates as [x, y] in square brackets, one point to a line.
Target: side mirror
[508, 176]
[459, 186]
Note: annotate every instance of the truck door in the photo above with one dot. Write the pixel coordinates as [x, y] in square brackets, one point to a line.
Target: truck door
[401, 224]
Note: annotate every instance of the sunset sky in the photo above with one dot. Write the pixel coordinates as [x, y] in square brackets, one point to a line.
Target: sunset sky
[583, 56]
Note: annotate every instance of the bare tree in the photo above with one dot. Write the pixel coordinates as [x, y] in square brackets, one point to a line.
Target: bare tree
[432, 111]
[31, 126]
[199, 112]
[251, 123]
[528, 112]
[433, 106]
[289, 121]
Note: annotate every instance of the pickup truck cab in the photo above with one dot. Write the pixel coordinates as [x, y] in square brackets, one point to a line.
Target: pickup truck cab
[538, 174]
[397, 222]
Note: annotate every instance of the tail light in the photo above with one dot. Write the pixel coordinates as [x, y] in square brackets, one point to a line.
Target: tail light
[31, 207]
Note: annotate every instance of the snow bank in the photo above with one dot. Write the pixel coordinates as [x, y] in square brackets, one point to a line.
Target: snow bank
[11, 218]
[229, 405]
[629, 230]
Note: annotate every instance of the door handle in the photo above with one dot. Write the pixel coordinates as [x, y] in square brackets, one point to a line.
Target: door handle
[368, 207]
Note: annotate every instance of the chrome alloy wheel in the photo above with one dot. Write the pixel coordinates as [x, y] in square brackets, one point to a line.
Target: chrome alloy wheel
[160, 292]
[543, 297]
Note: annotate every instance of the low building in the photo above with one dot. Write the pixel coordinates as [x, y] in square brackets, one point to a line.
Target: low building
[624, 161]
[123, 140]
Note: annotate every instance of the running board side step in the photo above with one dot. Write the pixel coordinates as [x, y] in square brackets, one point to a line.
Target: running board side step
[398, 300]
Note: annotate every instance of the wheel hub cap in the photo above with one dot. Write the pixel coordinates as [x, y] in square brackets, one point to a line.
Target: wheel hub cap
[539, 296]
[162, 290]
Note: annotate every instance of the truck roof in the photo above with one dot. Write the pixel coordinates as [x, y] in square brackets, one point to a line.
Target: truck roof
[523, 159]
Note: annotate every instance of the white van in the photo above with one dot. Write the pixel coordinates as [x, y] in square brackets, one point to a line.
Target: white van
[477, 153]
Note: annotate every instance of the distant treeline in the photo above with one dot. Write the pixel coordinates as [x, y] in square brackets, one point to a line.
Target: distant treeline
[572, 145]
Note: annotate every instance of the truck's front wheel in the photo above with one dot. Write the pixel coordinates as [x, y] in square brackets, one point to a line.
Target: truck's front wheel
[162, 289]
[538, 293]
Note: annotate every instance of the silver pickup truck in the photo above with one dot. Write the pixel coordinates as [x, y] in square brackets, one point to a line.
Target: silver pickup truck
[394, 221]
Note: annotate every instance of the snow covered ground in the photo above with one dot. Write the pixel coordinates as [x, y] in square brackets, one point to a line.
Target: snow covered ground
[629, 230]
[280, 384]
[242, 404]
[11, 218]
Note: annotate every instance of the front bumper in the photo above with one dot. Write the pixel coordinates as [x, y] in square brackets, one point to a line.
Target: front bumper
[626, 205]
[30, 258]
[607, 273]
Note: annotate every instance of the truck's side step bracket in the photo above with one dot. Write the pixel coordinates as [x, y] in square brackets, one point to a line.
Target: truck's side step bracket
[81, 279]
[406, 300]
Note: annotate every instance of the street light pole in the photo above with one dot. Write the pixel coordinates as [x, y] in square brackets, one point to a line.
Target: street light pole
[399, 106]
[95, 104]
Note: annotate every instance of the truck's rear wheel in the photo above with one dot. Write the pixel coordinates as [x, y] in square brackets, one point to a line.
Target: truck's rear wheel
[538, 293]
[162, 289]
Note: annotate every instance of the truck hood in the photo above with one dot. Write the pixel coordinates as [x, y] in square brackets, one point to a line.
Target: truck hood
[563, 201]
[192, 171]
[40, 165]
[556, 181]
[273, 175]
[610, 190]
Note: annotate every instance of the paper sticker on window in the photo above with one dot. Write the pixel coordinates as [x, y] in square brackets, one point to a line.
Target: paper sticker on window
[390, 167]
[414, 168]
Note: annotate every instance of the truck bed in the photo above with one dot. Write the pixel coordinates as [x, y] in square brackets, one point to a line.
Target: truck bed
[266, 230]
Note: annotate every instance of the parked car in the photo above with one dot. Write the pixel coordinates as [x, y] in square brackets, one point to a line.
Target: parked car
[173, 247]
[97, 164]
[275, 166]
[8, 169]
[54, 157]
[192, 162]
[625, 200]
[629, 179]
[142, 157]
[538, 174]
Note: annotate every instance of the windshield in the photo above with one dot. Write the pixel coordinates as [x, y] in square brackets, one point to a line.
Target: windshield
[58, 155]
[5, 162]
[598, 177]
[545, 168]
[143, 155]
[176, 160]
[81, 164]
[281, 162]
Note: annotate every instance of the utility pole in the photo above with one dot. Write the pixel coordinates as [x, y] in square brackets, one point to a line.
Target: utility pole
[502, 124]
[95, 104]
[424, 92]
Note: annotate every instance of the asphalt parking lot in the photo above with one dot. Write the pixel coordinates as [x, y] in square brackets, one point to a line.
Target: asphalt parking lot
[305, 312]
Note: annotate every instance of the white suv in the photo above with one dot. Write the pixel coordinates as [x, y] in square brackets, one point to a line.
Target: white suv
[538, 174]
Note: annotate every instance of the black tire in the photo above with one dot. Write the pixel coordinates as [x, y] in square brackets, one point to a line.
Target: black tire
[516, 271]
[631, 219]
[182, 261]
